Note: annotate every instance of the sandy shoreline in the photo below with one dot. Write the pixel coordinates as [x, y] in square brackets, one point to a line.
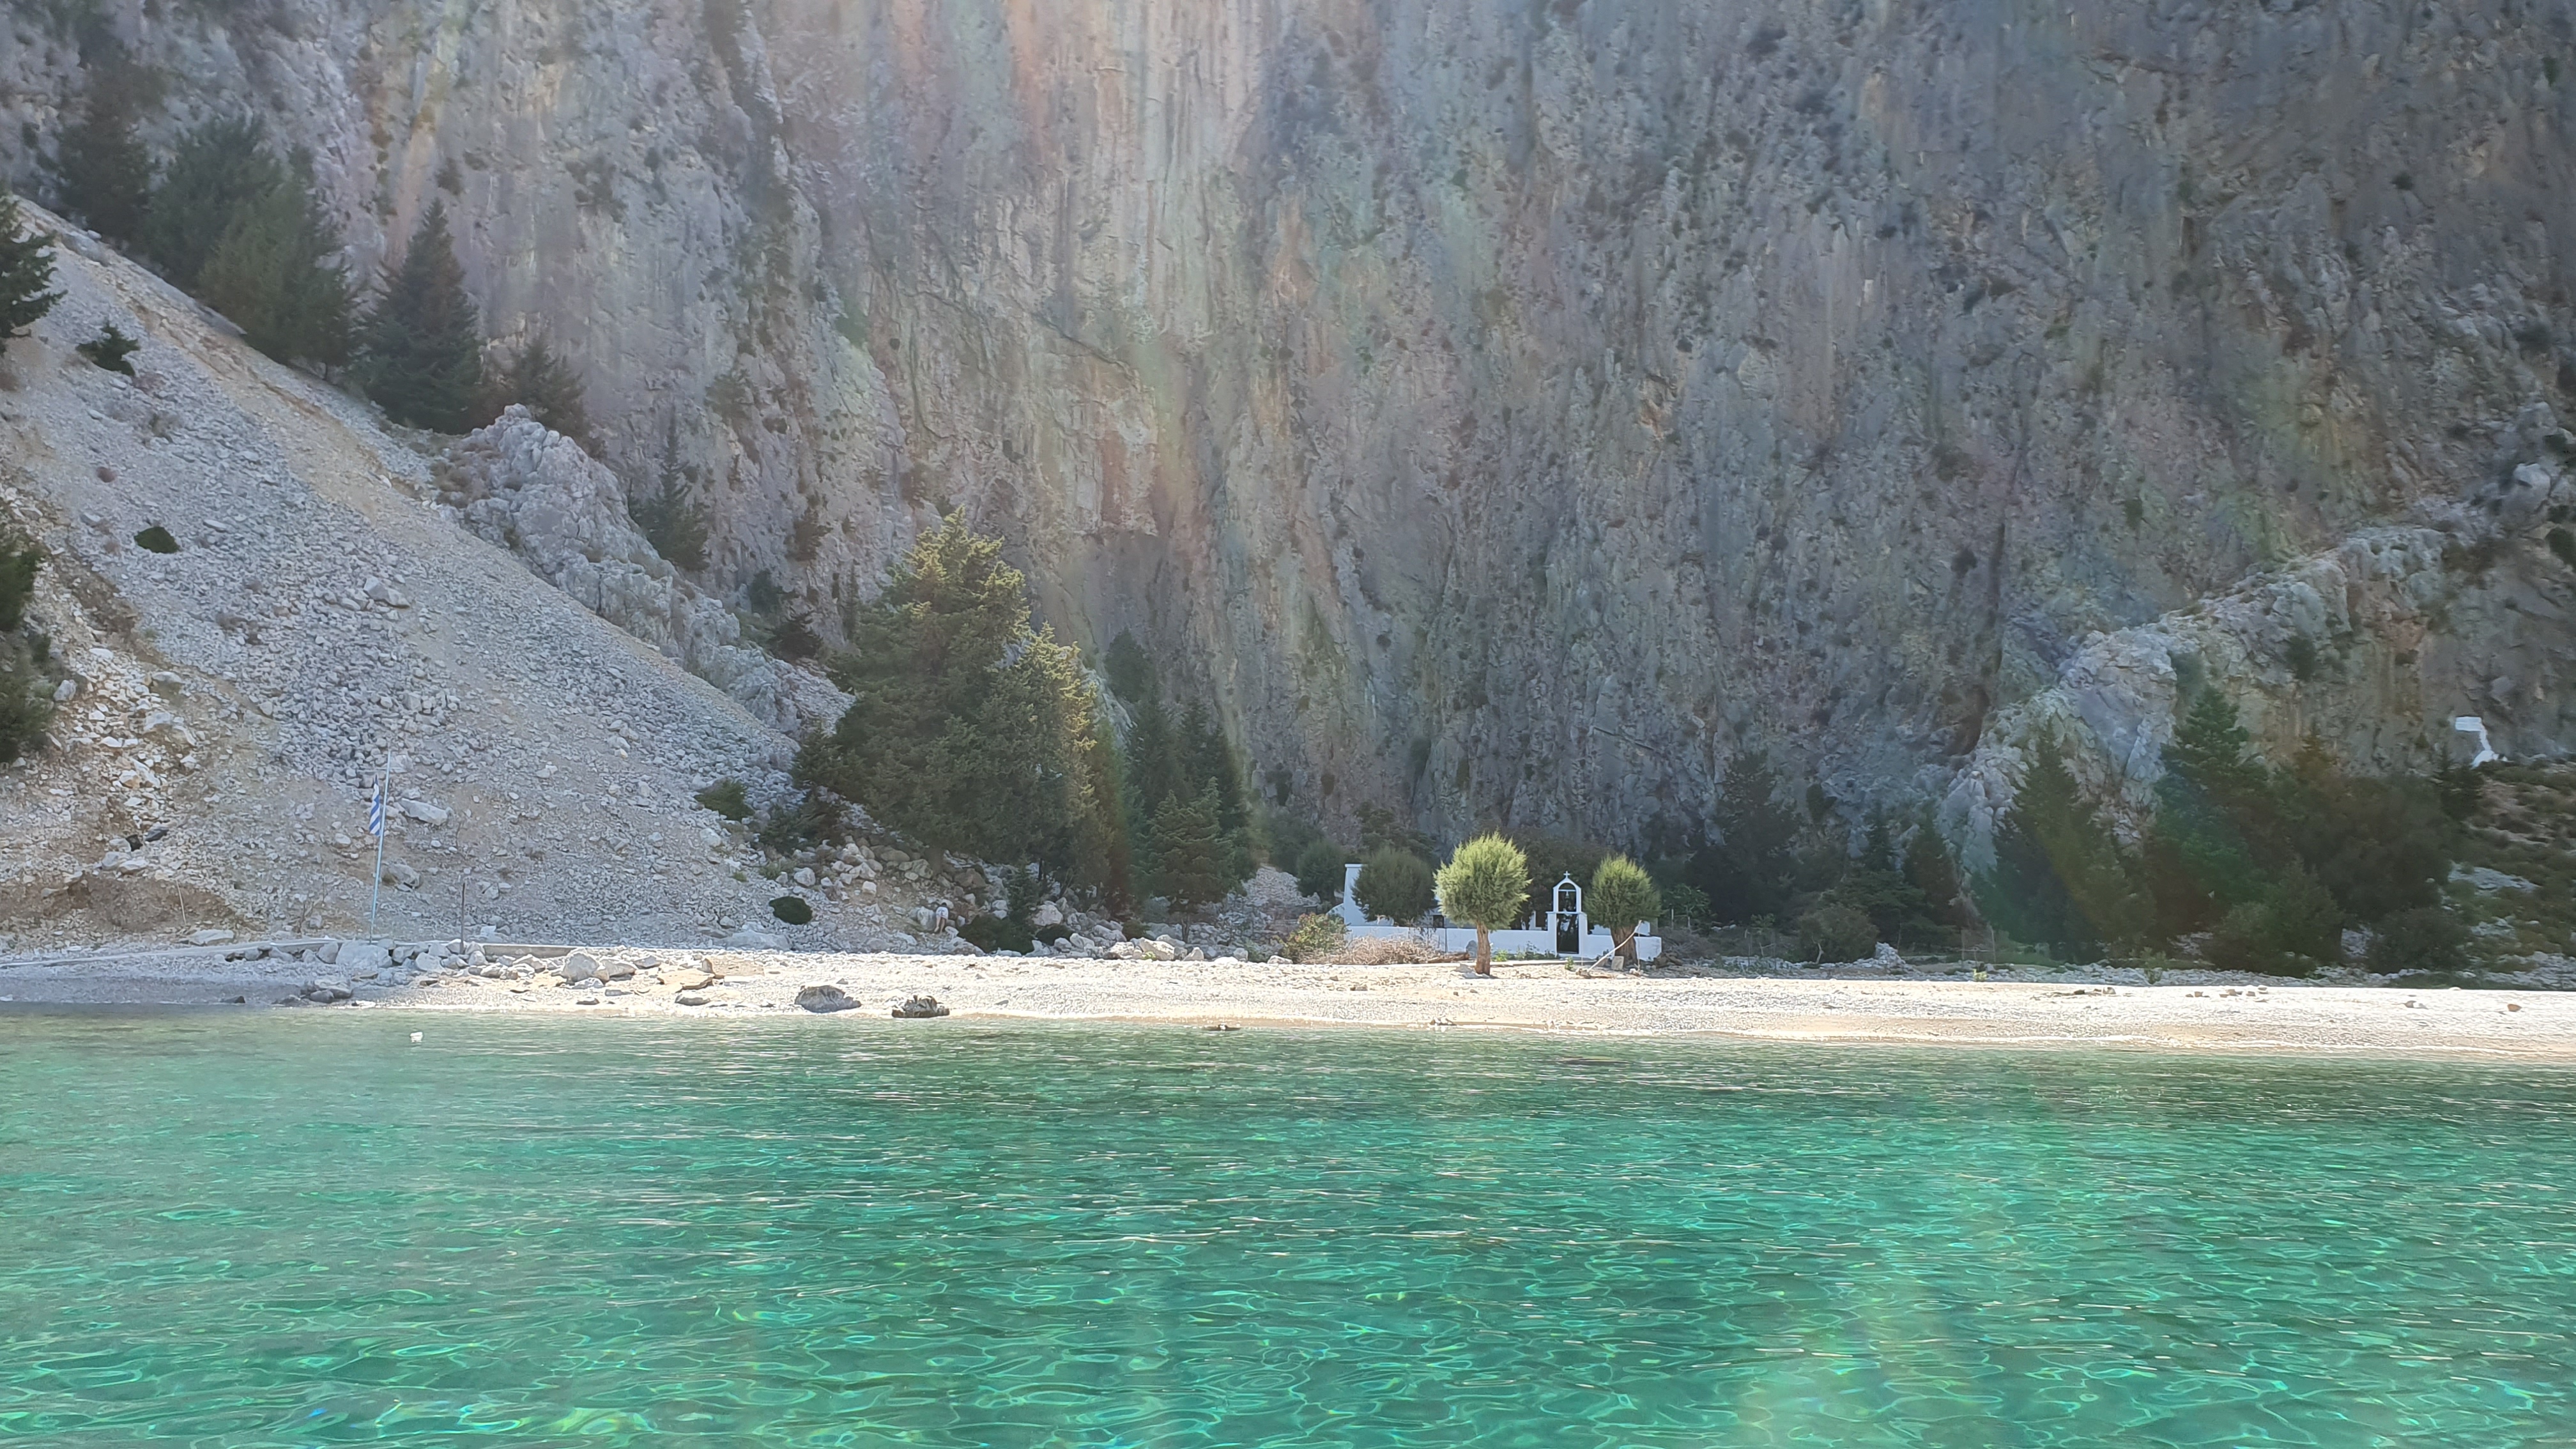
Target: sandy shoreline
[2280, 1018]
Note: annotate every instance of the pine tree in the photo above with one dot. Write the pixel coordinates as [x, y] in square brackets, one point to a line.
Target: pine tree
[217, 168]
[539, 379]
[423, 342]
[2059, 878]
[105, 173]
[1129, 670]
[1750, 869]
[1934, 873]
[1873, 884]
[1209, 765]
[2198, 861]
[967, 729]
[671, 519]
[26, 269]
[2209, 751]
[1191, 865]
[277, 274]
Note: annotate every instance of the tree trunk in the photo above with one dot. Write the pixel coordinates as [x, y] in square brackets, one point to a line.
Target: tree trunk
[1484, 952]
[1623, 940]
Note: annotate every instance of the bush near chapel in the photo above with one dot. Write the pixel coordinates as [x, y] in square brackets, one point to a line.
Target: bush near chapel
[1622, 894]
[1396, 884]
[1485, 884]
[1321, 869]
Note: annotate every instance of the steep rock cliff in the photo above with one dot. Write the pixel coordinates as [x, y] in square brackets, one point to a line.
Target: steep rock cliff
[1518, 409]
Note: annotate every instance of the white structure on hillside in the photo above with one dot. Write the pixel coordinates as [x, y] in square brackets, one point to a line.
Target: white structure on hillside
[1561, 929]
[2470, 724]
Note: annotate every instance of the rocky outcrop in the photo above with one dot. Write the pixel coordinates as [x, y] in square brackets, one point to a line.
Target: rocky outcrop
[1511, 411]
[2369, 648]
[536, 492]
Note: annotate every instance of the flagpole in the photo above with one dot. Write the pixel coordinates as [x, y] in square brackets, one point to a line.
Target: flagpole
[376, 820]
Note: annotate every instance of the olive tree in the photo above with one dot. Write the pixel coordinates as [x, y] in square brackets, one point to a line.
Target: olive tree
[1484, 884]
[1622, 895]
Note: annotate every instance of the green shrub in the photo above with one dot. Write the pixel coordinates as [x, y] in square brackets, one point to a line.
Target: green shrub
[2301, 652]
[1485, 884]
[998, 933]
[1395, 884]
[1622, 895]
[1315, 938]
[26, 270]
[109, 349]
[1685, 905]
[1129, 671]
[2292, 930]
[156, 539]
[1321, 871]
[2427, 938]
[25, 708]
[808, 822]
[1834, 932]
[20, 557]
[728, 798]
[794, 910]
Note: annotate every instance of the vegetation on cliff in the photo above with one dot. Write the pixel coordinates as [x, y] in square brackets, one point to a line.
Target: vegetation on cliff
[26, 272]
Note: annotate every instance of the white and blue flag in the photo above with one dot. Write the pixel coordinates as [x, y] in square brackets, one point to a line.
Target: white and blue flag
[376, 812]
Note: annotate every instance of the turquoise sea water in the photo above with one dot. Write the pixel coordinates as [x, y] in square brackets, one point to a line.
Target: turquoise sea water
[290, 1229]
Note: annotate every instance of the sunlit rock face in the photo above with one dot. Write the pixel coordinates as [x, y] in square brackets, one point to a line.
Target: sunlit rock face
[1512, 412]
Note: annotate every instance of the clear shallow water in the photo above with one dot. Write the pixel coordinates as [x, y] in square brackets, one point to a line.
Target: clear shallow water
[299, 1229]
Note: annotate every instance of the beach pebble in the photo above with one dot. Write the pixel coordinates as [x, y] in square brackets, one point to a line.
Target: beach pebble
[690, 998]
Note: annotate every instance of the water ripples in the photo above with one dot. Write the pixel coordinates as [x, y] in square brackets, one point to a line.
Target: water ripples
[253, 1230]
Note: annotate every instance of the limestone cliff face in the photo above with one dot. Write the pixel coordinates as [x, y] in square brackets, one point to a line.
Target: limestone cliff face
[1515, 410]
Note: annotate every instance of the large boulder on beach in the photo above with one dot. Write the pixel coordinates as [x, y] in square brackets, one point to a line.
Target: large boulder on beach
[921, 1006]
[824, 996]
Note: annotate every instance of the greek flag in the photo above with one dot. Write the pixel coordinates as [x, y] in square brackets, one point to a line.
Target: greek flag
[376, 812]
